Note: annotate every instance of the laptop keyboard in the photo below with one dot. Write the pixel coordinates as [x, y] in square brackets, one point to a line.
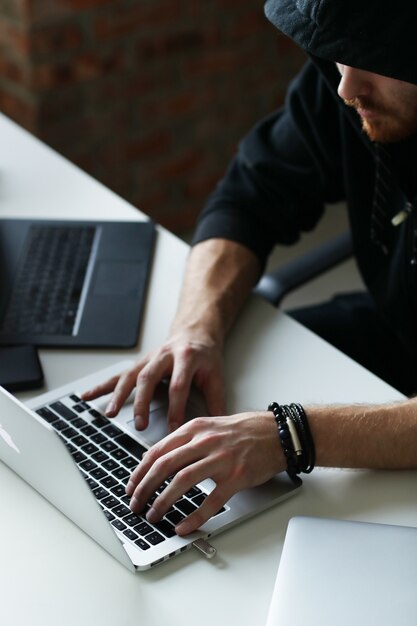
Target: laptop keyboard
[106, 456]
[49, 281]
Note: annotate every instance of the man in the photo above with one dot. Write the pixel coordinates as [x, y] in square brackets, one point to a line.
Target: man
[347, 131]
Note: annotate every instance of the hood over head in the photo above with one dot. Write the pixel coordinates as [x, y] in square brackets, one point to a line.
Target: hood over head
[378, 36]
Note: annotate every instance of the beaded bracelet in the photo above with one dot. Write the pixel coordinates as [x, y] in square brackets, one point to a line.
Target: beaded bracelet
[287, 444]
[296, 440]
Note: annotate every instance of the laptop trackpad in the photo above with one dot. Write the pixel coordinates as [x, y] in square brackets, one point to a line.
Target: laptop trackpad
[120, 278]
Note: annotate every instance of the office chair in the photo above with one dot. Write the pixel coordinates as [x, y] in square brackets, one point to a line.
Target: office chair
[275, 285]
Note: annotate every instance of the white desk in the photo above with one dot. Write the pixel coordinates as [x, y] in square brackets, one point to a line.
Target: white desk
[52, 573]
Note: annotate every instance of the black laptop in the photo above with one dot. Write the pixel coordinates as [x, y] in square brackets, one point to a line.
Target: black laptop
[73, 283]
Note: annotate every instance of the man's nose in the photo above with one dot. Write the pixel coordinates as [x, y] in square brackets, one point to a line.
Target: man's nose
[354, 83]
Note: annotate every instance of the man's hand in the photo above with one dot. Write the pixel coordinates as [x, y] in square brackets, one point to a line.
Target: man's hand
[219, 277]
[236, 452]
[183, 359]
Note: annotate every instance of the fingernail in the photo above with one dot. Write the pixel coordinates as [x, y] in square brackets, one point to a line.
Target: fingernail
[133, 504]
[129, 488]
[138, 422]
[184, 528]
[111, 408]
[152, 516]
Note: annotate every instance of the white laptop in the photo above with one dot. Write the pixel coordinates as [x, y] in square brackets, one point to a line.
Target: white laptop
[344, 573]
[80, 461]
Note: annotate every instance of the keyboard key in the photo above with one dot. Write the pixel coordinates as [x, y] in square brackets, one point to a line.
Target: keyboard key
[79, 440]
[109, 515]
[94, 413]
[119, 454]
[89, 430]
[90, 448]
[154, 538]
[99, 438]
[119, 491]
[141, 543]
[175, 517]
[91, 483]
[60, 425]
[198, 500]
[108, 445]
[194, 491]
[165, 528]
[185, 506]
[99, 473]
[79, 408]
[69, 433]
[99, 421]
[110, 464]
[108, 482]
[131, 446]
[143, 528]
[121, 474]
[63, 411]
[75, 398]
[47, 415]
[100, 456]
[119, 525]
[130, 534]
[132, 519]
[110, 502]
[129, 462]
[78, 457]
[79, 422]
[100, 493]
[121, 510]
[112, 431]
[88, 465]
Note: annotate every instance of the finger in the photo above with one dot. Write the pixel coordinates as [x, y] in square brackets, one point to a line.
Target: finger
[100, 390]
[170, 443]
[122, 390]
[181, 461]
[211, 506]
[181, 484]
[147, 380]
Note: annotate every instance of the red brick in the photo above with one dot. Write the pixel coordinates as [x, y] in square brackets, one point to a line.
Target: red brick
[14, 39]
[83, 67]
[137, 18]
[19, 109]
[152, 145]
[56, 39]
[179, 165]
[13, 71]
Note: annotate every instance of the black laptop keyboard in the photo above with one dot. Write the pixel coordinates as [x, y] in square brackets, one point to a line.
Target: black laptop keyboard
[49, 281]
[106, 457]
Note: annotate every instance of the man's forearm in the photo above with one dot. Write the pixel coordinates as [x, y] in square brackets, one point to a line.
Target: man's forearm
[219, 276]
[378, 437]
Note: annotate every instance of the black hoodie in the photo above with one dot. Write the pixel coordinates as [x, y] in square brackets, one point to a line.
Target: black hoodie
[313, 151]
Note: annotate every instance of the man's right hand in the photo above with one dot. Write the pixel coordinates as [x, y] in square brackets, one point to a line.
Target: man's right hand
[185, 360]
[219, 277]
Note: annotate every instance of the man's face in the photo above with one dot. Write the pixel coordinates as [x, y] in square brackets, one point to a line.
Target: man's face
[387, 107]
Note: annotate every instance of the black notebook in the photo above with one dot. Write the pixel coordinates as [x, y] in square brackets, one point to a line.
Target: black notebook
[67, 283]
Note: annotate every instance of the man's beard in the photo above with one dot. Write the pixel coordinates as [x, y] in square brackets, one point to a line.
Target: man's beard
[388, 126]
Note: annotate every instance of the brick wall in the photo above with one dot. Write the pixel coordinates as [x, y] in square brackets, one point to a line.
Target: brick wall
[149, 96]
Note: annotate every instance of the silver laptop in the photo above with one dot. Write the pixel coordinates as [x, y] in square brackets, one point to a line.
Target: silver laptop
[344, 573]
[80, 461]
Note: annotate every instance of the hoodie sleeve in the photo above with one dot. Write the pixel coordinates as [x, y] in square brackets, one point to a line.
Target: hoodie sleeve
[285, 169]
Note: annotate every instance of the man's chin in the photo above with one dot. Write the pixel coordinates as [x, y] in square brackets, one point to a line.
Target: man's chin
[384, 133]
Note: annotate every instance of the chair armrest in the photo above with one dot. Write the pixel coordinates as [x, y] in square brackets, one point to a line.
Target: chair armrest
[277, 284]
